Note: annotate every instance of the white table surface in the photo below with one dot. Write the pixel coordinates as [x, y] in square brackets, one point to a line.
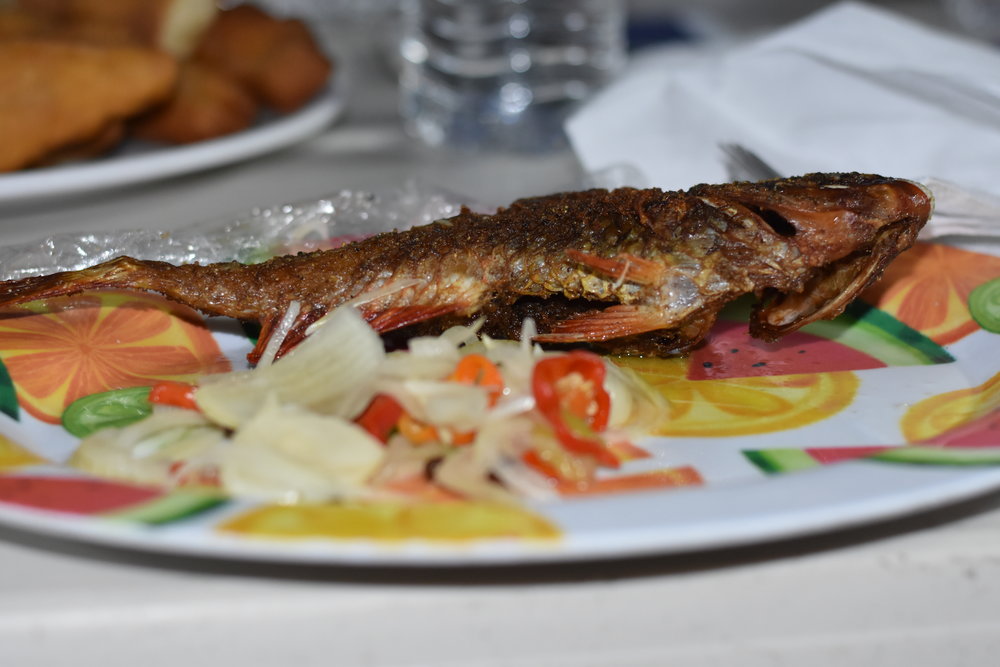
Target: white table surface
[924, 590]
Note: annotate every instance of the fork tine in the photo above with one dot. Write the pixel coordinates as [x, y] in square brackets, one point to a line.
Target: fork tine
[744, 164]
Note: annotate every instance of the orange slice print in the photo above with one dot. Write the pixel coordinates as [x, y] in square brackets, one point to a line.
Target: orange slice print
[935, 415]
[743, 405]
[59, 351]
[928, 287]
[451, 521]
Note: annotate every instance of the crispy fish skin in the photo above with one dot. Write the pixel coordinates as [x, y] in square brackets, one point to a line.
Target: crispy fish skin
[627, 270]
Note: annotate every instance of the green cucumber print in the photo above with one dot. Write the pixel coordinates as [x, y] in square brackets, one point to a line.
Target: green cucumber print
[780, 460]
[175, 506]
[984, 305]
[950, 456]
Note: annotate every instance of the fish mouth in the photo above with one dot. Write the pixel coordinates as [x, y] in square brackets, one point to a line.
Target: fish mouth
[927, 193]
[831, 288]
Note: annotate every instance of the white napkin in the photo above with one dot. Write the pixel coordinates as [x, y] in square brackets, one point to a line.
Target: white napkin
[850, 88]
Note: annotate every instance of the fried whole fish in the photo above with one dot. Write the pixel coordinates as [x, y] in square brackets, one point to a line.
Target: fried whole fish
[628, 271]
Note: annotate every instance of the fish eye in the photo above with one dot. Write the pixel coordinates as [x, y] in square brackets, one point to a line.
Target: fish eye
[776, 221]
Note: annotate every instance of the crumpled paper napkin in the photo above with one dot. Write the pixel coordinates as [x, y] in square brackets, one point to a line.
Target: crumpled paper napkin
[850, 88]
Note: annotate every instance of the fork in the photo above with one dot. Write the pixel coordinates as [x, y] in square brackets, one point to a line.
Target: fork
[957, 212]
[742, 164]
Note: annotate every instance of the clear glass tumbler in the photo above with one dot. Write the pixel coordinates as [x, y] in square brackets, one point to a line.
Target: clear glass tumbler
[504, 74]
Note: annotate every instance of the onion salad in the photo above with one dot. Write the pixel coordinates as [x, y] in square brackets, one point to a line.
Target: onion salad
[457, 415]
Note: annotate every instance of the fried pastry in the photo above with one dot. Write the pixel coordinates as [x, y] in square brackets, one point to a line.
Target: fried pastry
[174, 26]
[16, 24]
[104, 140]
[206, 104]
[276, 59]
[58, 94]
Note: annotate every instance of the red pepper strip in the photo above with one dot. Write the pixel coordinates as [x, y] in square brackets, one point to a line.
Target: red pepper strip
[534, 460]
[420, 433]
[475, 369]
[203, 476]
[177, 394]
[416, 431]
[381, 416]
[587, 402]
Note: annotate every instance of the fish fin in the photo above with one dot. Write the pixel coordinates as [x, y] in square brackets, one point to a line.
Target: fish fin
[266, 327]
[623, 266]
[612, 322]
[398, 317]
[299, 330]
[295, 334]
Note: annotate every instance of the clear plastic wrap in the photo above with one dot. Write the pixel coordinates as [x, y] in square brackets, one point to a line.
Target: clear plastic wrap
[260, 233]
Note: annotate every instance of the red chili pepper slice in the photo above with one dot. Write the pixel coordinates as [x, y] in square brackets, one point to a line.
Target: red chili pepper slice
[177, 394]
[569, 392]
[381, 416]
[540, 465]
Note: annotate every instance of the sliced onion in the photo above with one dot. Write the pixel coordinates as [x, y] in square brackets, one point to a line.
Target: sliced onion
[462, 473]
[429, 357]
[503, 438]
[636, 407]
[498, 448]
[402, 460]
[288, 453]
[403, 365]
[144, 451]
[524, 481]
[432, 346]
[463, 335]
[440, 403]
[331, 372]
[279, 334]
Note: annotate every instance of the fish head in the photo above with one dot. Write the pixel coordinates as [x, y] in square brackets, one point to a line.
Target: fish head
[828, 216]
[843, 229]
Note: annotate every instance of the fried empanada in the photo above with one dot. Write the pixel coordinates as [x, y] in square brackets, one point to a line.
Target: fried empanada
[175, 26]
[278, 60]
[206, 104]
[106, 139]
[58, 94]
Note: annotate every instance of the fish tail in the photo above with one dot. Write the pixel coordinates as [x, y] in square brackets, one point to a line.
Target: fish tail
[122, 272]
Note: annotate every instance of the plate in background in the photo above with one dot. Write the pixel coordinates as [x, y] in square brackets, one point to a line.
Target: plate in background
[139, 163]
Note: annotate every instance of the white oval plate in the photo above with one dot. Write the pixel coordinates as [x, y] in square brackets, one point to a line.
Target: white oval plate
[739, 502]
